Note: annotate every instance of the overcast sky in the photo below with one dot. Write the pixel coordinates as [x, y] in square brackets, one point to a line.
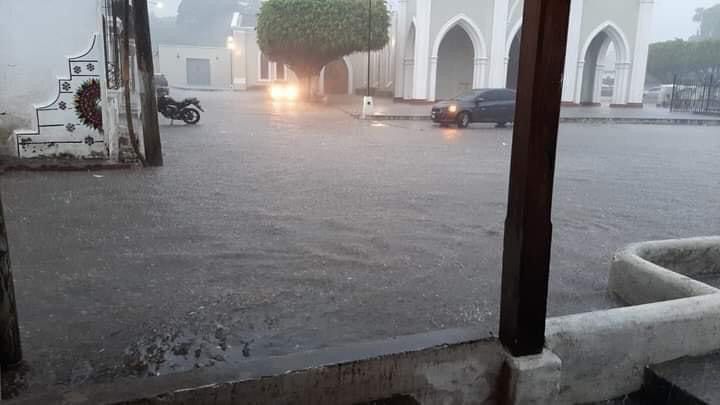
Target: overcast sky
[673, 18]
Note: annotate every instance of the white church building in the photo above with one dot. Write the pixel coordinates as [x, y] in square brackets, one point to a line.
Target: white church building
[445, 46]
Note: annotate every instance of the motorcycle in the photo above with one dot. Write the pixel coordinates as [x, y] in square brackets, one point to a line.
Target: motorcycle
[185, 110]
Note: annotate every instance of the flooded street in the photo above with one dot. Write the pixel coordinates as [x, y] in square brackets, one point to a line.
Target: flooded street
[276, 228]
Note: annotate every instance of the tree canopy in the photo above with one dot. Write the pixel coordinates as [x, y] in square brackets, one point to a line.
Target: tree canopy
[308, 34]
[709, 19]
[695, 58]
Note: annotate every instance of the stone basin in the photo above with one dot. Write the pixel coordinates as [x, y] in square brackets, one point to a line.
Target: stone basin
[657, 271]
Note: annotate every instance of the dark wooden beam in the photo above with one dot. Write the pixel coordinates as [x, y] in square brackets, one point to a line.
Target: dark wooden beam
[146, 71]
[528, 228]
[10, 349]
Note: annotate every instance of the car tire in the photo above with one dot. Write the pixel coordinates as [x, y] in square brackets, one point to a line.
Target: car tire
[463, 120]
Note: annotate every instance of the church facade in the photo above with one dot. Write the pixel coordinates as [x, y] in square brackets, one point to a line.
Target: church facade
[443, 47]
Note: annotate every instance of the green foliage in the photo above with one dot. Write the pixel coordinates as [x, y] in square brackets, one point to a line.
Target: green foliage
[709, 19]
[697, 58]
[308, 34]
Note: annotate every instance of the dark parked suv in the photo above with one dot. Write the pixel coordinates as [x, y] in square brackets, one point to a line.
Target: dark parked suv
[482, 105]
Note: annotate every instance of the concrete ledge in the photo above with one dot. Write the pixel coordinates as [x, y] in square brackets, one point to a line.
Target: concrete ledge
[604, 354]
[391, 117]
[640, 121]
[628, 105]
[569, 120]
[202, 88]
[444, 367]
[649, 272]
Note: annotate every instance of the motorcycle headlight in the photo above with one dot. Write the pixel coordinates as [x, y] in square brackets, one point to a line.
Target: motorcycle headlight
[452, 108]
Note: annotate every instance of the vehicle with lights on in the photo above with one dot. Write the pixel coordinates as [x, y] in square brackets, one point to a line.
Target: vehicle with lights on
[481, 105]
[284, 91]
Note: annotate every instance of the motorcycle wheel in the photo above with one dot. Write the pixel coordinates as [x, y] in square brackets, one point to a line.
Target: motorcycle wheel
[191, 116]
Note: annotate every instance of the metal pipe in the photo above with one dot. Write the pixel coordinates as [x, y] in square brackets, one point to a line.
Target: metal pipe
[369, 44]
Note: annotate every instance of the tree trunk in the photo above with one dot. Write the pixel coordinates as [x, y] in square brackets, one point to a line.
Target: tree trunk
[148, 104]
[125, 80]
[10, 349]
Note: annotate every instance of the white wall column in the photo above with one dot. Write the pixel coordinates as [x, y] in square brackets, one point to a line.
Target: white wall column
[480, 73]
[433, 76]
[597, 91]
[640, 57]
[498, 70]
[507, 66]
[321, 85]
[571, 92]
[422, 49]
[401, 32]
[408, 67]
[622, 78]
[579, 78]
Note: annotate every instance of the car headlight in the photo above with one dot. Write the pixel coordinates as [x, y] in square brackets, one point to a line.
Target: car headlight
[292, 92]
[277, 92]
[452, 108]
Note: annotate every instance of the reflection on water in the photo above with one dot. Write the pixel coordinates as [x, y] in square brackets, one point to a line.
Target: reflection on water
[451, 134]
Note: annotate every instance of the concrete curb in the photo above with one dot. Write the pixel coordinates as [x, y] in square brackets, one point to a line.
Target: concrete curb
[435, 367]
[63, 166]
[570, 120]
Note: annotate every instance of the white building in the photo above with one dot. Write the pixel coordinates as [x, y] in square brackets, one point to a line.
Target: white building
[438, 48]
[195, 67]
[446, 46]
[59, 83]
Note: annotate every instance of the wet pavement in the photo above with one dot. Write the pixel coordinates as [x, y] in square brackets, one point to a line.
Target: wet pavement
[278, 228]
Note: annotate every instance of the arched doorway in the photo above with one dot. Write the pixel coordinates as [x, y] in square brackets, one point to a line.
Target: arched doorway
[409, 64]
[458, 60]
[594, 70]
[336, 78]
[513, 71]
[455, 62]
[603, 73]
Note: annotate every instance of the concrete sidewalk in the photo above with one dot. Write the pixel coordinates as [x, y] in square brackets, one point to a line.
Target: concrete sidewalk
[388, 109]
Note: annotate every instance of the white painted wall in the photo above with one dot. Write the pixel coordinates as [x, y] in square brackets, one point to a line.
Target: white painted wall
[246, 62]
[36, 37]
[173, 63]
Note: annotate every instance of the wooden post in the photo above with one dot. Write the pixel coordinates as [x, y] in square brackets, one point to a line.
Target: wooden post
[10, 349]
[124, 9]
[146, 71]
[528, 229]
